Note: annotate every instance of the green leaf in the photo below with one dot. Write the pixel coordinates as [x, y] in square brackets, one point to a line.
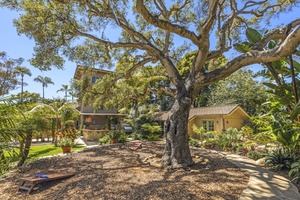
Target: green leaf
[296, 64]
[243, 47]
[296, 111]
[271, 44]
[271, 85]
[253, 35]
[279, 64]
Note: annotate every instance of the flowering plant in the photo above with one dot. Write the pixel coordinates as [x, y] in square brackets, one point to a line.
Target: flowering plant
[65, 142]
[71, 133]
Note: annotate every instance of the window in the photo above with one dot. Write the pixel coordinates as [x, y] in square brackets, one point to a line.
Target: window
[94, 79]
[208, 125]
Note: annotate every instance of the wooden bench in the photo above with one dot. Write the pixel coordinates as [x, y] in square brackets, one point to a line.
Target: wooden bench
[27, 183]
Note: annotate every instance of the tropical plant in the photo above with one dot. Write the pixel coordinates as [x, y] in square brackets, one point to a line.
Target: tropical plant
[64, 89]
[148, 129]
[114, 134]
[193, 142]
[211, 143]
[200, 131]
[136, 136]
[231, 138]
[104, 140]
[69, 133]
[69, 115]
[295, 171]
[22, 71]
[45, 82]
[255, 155]
[280, 160]
[283, 80]
[122, 137]
[153, 137]
[9, 132]
[36, 120]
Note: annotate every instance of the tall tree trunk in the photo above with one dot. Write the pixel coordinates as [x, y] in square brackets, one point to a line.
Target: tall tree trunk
[177, 152]
[21, 146]
[22, 85]
[295, 90]
[26, 149]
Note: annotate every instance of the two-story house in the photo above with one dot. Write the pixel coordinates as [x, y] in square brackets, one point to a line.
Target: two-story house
[95, 122]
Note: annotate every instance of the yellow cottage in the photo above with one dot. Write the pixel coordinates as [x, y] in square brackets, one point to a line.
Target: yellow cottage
[215, 118]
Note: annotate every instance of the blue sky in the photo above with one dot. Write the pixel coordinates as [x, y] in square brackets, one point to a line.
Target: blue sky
[20, 46]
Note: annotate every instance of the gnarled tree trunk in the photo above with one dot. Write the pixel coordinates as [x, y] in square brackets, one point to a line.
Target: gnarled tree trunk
[177, 152]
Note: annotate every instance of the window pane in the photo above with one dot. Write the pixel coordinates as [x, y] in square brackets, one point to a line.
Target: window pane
[208, 125]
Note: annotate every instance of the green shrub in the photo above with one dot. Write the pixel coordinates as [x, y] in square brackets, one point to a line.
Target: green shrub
[153, 137]
[255, 155]
[122, 137]
[295, 171]
[114, 134]
[193, 142]
[148, 129]
[136, 136]
[280, 160]
[104, 140]
[211, 143]
[5, 166]
[230, 139]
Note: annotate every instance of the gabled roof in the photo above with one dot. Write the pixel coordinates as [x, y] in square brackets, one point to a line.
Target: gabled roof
[80, 70]
[214, 110]
[203, 111]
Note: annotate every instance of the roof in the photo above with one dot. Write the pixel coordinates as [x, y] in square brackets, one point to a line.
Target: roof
[81, 69]
[106, 114]
[203, 111]
[214, 110]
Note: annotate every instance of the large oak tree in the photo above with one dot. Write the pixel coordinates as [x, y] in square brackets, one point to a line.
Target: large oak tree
[156, 31]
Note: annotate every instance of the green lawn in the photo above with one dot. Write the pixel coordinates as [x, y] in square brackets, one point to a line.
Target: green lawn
[48, 150]
[45, 150]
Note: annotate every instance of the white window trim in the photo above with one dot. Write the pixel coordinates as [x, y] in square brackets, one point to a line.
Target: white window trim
[201, 123]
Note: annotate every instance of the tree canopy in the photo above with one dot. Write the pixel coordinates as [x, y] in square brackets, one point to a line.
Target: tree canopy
[240, 88]
[156, 32]
[8, 73]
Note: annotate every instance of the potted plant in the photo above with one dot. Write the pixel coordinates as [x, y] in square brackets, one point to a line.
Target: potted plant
[114, 136]
[66, 144]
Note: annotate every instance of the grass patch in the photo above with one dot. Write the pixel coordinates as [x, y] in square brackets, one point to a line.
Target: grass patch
[42, 151]
[48, 150]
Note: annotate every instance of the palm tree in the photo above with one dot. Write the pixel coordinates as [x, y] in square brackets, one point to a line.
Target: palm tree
[9, 115]
[45, 81]
[64, 89]
[22, 71]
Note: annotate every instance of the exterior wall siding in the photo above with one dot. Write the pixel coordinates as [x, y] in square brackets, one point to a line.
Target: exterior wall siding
[234, 120]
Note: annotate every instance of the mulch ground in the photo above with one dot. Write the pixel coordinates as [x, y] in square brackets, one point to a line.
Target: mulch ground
[116, 172]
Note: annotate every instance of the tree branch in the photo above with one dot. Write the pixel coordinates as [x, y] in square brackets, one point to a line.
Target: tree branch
[165, 25]
[286, 48]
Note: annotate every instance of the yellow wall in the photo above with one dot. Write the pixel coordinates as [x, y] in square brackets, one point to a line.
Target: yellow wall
[235, 120]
